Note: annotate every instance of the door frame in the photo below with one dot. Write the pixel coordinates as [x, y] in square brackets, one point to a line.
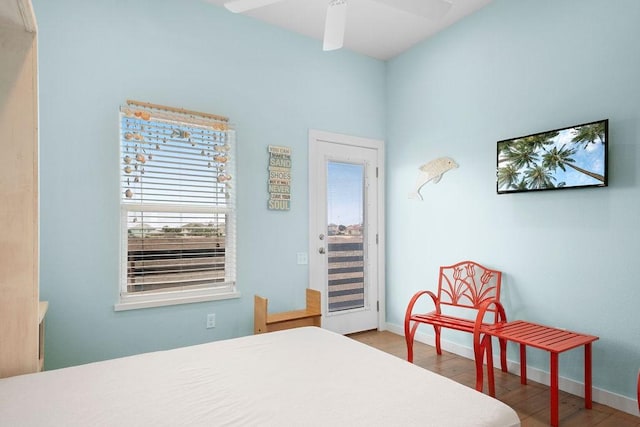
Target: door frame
[316, 136]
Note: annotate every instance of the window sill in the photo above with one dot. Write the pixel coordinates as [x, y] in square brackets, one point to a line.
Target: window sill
[134, 302]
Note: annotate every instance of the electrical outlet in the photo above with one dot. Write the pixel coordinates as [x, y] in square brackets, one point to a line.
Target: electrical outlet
[211, 320]
[303, 258]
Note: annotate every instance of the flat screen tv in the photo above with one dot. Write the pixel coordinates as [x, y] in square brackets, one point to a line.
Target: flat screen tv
[571, 157]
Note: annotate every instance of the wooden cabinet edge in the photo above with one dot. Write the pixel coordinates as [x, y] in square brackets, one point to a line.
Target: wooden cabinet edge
[42, 312]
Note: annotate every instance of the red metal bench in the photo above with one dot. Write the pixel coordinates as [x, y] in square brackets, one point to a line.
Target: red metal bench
[462, 289]
[553, 340]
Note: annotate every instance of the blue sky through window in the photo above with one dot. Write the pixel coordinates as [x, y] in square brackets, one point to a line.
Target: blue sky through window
[345, 185]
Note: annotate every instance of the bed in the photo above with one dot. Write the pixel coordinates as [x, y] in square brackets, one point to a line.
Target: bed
[298, 377]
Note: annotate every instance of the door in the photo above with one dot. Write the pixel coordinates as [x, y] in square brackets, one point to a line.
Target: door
[345, 249]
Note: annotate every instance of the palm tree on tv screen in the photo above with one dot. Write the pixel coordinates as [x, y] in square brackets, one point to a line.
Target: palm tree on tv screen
[507, 176]
[521, 154]
[589, 134]
[539, 177]
[559, 158]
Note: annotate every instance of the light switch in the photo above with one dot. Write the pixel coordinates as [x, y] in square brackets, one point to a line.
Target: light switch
[303, 258]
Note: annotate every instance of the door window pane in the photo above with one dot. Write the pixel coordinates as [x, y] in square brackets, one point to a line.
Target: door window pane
[345, 228]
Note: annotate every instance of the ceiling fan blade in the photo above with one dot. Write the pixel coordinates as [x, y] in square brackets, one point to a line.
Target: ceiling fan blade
[433, 9]
[334, 25]
[239, 6]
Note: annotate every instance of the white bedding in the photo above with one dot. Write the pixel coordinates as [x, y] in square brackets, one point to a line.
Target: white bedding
[299, 377]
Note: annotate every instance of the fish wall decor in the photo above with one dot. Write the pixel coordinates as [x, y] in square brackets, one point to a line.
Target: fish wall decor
[432, 171]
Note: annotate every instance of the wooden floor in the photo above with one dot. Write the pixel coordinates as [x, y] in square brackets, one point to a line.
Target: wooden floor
[530, 401]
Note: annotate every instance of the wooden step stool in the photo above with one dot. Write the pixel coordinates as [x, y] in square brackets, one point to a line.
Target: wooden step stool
[265, 322]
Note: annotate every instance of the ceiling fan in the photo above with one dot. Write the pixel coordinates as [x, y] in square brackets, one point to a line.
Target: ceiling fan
[336, 18]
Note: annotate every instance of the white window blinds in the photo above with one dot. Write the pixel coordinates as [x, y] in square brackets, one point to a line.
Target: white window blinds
[177, 198]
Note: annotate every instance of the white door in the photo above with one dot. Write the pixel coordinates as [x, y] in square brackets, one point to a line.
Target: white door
[346, 253]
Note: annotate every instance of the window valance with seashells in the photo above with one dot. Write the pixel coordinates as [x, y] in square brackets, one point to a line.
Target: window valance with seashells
[160, 144]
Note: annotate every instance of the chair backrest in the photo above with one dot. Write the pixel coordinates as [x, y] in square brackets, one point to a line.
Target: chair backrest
[468, 284]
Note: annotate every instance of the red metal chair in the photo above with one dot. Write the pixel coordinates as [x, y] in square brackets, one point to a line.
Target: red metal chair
[465, 285]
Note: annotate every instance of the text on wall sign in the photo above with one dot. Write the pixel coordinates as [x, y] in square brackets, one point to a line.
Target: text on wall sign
[279, 178]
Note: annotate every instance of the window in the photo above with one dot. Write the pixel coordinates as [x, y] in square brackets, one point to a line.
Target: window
[177, 206]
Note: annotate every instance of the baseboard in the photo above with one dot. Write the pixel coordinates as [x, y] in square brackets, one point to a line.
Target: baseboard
[605, 397]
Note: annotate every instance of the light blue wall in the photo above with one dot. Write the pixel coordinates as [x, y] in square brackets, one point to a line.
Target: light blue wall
[186, 53]
[569, 257]
[513, 68]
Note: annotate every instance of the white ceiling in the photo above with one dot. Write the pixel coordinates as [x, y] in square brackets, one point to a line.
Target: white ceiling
[373, 28]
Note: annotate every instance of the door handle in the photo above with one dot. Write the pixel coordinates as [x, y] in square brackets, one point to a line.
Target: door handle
[321, 250]
[321, 236]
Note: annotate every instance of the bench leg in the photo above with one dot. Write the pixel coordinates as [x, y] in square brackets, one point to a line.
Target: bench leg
[438, 348]
[503, 354]
[588, 401]
[554, 389]
[409, 334]
[523, 364]
[478, 349]
[490, 379]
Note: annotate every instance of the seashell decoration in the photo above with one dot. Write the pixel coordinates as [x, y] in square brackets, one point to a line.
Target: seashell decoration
[144, 115]
[222, 148]
[179, 133]
[141, 143]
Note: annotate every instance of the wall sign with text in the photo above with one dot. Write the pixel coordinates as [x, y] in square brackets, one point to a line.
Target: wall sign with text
[279, 178]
